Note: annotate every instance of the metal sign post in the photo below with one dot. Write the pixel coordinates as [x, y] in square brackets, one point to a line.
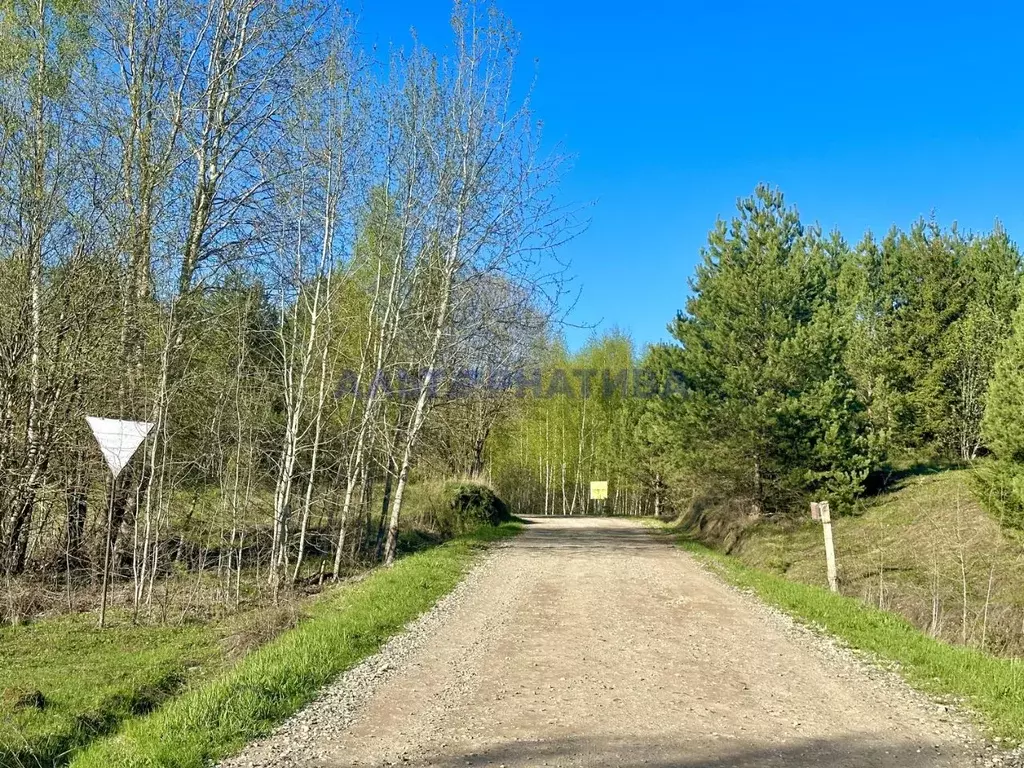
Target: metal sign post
[598, 492]
[118, 441]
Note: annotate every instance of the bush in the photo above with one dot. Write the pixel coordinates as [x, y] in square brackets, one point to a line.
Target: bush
[1000, 488]
[465, 506]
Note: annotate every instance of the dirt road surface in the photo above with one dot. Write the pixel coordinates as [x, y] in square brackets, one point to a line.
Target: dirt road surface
[592, 642]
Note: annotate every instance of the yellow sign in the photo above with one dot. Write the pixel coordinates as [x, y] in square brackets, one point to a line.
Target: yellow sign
[598, 489]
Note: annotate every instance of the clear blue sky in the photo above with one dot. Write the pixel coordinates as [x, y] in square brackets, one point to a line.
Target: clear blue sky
[865, 114]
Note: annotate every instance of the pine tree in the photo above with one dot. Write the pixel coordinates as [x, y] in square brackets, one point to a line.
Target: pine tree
[924, 312]
[770, 410]
[1003, 430]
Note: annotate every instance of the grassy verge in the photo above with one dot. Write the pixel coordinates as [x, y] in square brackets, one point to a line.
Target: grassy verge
[925, 549]
[241, 704]
[993, 687]
[65, 682]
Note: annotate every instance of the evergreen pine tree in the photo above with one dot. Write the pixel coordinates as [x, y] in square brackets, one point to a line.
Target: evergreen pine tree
[770, 411]
[1003, 430]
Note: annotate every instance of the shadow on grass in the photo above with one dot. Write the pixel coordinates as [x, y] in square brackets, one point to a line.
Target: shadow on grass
[58, 747]
[890, 479]
[412, 541]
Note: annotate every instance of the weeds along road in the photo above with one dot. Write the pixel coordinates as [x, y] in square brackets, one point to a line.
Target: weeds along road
[592, 642]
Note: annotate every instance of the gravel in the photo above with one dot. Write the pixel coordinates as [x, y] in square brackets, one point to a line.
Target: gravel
[296, 741]
[951, 714]
[590, 642]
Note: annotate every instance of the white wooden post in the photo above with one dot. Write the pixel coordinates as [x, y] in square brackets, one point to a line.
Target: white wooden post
[830, 551]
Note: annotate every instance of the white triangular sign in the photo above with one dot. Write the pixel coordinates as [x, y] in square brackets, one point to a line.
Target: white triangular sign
[119, 440]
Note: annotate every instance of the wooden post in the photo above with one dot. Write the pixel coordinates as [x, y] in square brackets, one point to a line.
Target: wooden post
[830, 551]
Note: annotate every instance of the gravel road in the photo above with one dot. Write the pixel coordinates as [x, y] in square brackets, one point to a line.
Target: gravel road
[592, 642]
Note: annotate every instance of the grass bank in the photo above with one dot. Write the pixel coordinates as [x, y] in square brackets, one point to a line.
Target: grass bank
[64, 682]
[926, 549]
[173, 696]
[993, 687]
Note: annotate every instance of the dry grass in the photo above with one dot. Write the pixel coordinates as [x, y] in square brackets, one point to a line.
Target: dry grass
[256, 628]
[926, 550]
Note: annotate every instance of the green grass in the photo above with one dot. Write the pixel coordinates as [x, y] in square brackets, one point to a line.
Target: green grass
[915, 550]
[993, 687]
[213, 720]
[90, 681]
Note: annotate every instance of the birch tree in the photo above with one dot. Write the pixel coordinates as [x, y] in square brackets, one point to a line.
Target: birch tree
[490, 210]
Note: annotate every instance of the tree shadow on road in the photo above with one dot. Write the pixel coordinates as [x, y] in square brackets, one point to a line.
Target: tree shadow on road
[590, 534]
[842, 752]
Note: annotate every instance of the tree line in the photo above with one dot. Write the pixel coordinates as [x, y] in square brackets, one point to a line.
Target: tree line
[209, 210]
[812, 368]
[578, 422]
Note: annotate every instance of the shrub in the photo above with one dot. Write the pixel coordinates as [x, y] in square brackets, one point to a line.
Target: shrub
[465, 506]
[1000, 488]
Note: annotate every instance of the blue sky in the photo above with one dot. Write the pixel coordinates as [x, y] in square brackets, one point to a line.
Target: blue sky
[865, 114]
